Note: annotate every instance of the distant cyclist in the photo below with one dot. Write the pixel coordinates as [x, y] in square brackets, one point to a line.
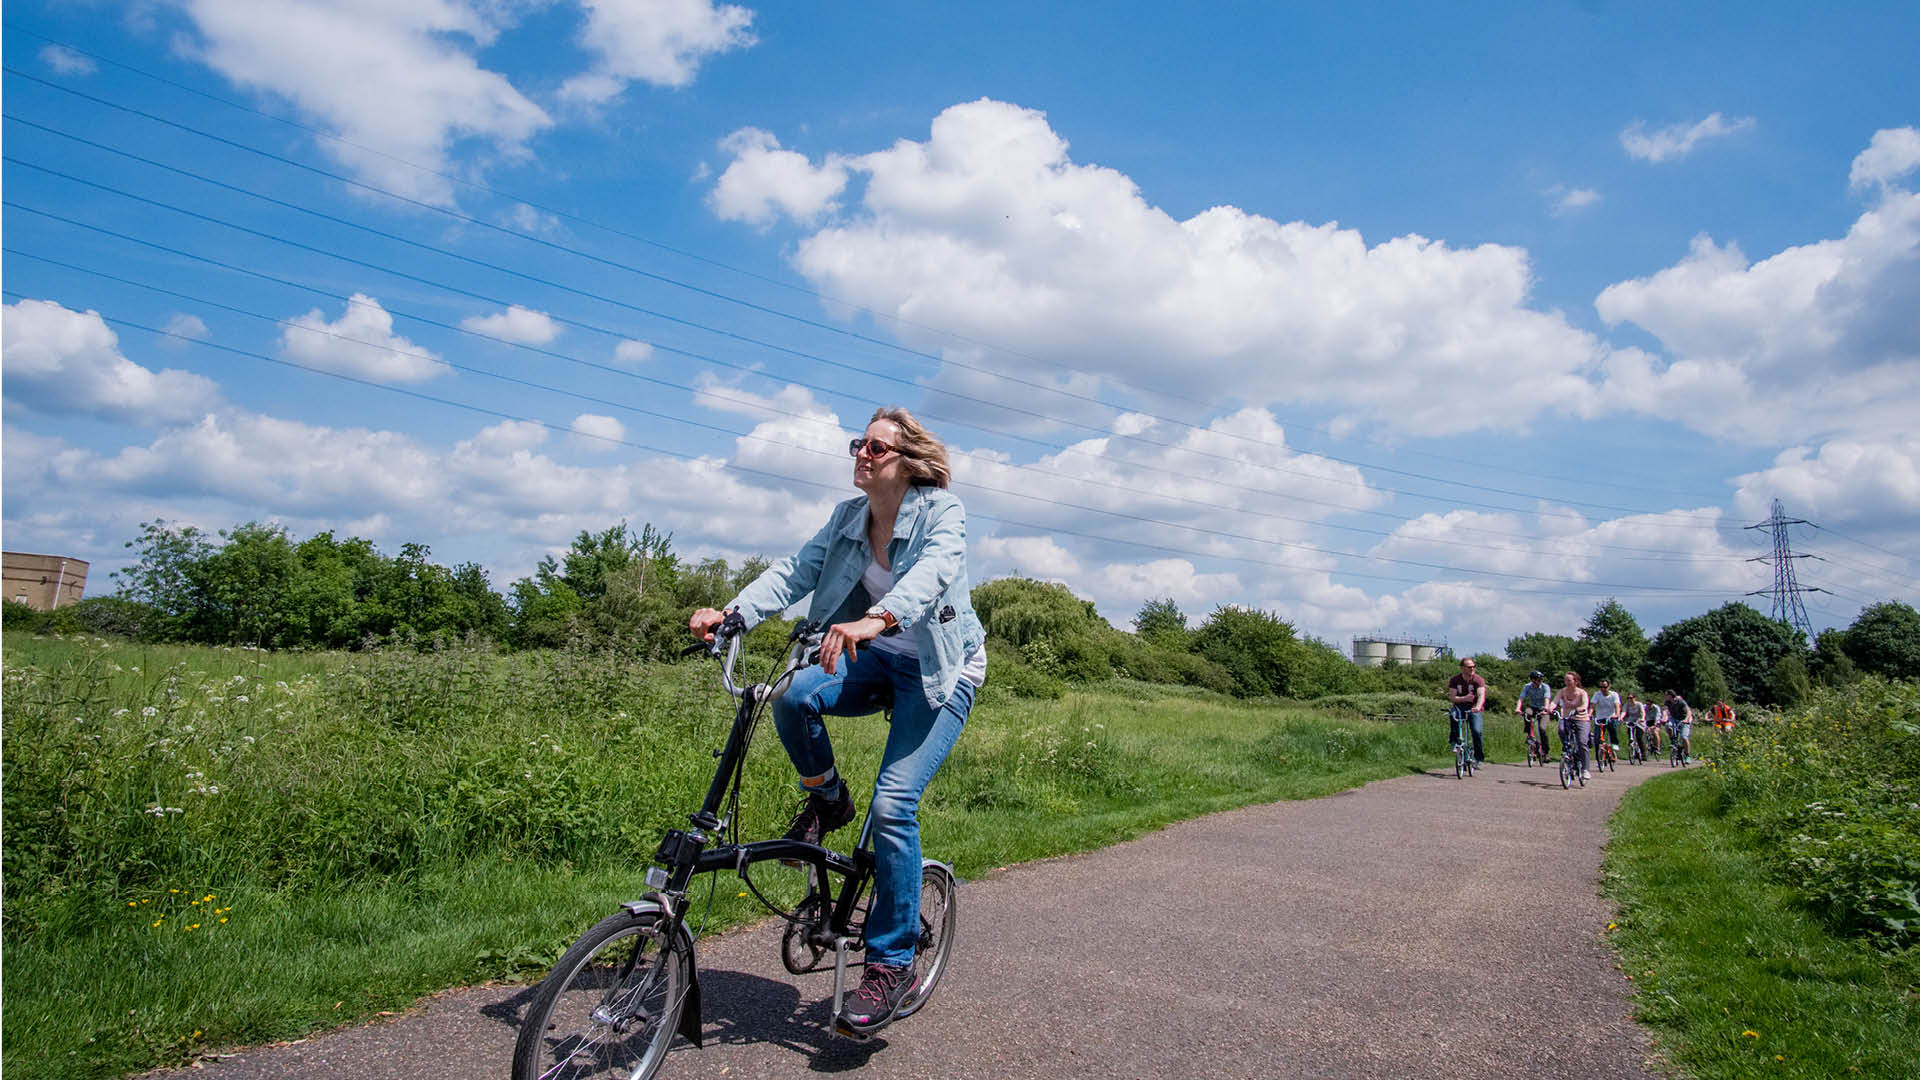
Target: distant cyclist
[1606, 715]
[1570, 705]
[1533, 705]
[1637, 727]
[1680, 717]
[1468, 692]
[1723, 715]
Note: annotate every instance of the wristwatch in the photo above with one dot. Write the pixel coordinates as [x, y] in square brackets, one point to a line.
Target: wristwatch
[885, 616]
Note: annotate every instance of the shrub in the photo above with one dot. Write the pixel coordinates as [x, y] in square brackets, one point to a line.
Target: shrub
[1834, 790]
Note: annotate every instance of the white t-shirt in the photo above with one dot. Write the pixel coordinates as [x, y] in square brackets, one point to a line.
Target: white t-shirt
[879, 582]
[1606, 706]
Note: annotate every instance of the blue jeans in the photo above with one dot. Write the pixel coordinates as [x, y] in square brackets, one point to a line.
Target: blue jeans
[918, 741]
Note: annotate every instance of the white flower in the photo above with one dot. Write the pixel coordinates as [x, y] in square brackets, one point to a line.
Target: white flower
[149, 711]
[241, 698]
[248, 738]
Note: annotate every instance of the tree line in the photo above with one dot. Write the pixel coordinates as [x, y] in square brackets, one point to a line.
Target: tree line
[619, 589]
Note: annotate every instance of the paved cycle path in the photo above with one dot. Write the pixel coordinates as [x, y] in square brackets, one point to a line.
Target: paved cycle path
[1417, 927]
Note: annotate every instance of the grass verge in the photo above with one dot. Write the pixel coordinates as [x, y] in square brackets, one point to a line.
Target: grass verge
[1732, 972]
[209, 848]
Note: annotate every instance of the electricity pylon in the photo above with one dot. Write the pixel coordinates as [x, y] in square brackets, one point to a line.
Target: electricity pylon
[1786, 590]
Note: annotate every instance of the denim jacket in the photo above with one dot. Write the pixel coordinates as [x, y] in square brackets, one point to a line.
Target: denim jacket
[931, 596]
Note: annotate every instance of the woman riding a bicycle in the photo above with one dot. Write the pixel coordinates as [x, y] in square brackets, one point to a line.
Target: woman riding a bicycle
[888, 576]
[1570, 705]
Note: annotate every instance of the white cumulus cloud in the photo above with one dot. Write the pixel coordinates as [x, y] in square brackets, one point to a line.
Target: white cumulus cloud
[660, 42]
[632, 353]
[598, 434]
[183, 329]
[63, 361]
[989, 228]
[360, 343]
[765, 182]
[522, 326]
[396, 79]
[1678, 140]
[1893, 153]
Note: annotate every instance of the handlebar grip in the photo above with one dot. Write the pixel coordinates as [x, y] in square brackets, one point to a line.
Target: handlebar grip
[696, 649]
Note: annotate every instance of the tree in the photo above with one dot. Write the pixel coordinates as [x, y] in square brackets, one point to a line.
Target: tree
[164, 575]
[1611, 646]
[1885, 640]
[1830, 665]
[1745, 643]
[1791, 687]
[1707, 682]
[1256, 647]
[1551, 653]
[246, 588]
[1161, 622]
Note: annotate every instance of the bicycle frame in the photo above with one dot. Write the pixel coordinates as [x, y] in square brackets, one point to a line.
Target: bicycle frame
[684, 853]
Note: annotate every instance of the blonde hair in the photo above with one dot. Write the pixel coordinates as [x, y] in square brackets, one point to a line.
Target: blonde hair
[921, 451]
[1575, 676]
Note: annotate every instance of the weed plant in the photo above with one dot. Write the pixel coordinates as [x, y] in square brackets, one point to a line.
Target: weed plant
[208, 847]
[1833, 791]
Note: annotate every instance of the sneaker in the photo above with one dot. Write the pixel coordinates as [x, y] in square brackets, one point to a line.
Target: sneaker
[1586, 776]
[883, 989]
[819, 816]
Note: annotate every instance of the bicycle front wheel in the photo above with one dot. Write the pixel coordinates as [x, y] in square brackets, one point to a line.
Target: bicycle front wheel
[939, 915]
[611, 1006]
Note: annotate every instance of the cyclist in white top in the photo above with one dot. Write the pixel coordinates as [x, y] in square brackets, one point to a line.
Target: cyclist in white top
[1606, 713]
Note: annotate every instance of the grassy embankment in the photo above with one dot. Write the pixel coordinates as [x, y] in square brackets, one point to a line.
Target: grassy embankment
[213, 847]
[1768, 904]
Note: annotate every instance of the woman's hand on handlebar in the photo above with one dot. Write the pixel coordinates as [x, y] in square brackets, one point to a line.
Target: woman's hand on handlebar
[848, 636]
[703, 621]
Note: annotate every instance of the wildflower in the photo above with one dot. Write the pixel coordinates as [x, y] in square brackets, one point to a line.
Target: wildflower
[149, 711]
[1751, 1034]
[241, 698]
[133, 903]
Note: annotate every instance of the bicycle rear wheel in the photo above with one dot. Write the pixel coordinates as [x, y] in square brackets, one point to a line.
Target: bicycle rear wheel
[611, 1006]
[1566, 774]
[939, 916]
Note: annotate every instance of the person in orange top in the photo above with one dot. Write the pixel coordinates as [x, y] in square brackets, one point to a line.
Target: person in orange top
[1723, 715]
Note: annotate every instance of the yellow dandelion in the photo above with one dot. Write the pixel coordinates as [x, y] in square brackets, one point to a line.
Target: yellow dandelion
[147, 901]
[1779, 1057]
[156, 922]
[173, 890]
[743, 894]
[133, 903]
[1751, 1034]
[223, 920]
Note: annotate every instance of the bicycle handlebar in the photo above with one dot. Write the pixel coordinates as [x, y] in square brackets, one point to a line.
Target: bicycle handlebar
[803, 651]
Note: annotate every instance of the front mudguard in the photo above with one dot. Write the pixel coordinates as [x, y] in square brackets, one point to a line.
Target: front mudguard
[691, 1020]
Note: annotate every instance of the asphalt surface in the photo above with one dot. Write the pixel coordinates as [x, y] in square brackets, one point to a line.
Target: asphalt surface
[1417, 927]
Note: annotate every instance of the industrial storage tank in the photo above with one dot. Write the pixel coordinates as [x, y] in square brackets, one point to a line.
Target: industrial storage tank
[1424, 653]
[1369, 652]
[1400, 652]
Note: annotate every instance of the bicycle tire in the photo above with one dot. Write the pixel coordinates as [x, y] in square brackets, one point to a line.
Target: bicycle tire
[797, 954]
[939, 917]
[1566, 774]
[611, 1006]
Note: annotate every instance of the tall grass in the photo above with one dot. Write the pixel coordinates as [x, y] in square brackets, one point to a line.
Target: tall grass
[207, 847]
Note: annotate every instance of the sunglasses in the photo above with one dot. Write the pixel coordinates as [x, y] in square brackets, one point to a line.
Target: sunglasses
[874, 448]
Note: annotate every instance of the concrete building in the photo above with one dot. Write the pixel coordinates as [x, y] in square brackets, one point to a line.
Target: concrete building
[1374, 650]
[43, 582]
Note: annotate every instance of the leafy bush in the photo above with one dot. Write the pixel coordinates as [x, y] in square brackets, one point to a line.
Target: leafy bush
[18, 616]
[1835, 790]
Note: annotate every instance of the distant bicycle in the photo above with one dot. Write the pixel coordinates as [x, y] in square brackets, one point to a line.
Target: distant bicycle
[1462, 748]
[1536, 728]
[1636, 742]
[1679, 752]
[1569, 758]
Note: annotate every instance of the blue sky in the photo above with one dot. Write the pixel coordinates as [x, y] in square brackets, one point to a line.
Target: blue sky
[1384, 317]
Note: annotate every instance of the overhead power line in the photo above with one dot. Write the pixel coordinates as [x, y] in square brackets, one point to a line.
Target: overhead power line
[667, 279]
[499, 301]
